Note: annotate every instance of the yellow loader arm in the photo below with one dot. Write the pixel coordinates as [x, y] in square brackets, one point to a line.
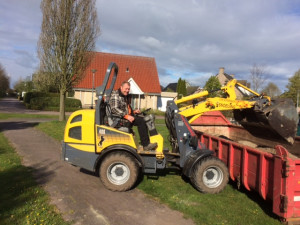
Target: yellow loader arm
[261, 116]
[193, 111]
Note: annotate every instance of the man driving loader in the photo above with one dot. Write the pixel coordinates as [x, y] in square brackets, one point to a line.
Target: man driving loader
[121, 110]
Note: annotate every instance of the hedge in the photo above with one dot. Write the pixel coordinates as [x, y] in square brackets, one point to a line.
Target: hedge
[29, 95]
[43, 103]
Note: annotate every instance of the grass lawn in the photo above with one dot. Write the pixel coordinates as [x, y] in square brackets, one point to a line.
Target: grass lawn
[22, 200]
[232, 206]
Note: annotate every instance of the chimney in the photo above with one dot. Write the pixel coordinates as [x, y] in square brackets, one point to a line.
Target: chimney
[221, 70]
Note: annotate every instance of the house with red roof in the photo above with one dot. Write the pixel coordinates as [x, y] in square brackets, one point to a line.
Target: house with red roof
[140, 71]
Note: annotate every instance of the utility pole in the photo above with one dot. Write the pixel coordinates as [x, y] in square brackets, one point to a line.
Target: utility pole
[93, 71]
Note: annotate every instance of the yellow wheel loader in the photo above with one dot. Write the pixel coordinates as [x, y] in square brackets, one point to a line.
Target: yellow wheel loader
[93, 143]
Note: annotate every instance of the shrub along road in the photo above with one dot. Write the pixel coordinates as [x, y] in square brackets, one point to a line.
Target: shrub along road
[78, 194]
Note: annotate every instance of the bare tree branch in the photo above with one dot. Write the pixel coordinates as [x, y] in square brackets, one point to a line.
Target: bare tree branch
[272, 90]
[258, 77]
[67, 39]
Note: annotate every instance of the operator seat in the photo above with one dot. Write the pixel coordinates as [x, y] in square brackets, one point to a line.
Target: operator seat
[115, 121]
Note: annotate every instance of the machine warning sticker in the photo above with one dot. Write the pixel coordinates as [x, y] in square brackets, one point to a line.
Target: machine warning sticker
[101, 131]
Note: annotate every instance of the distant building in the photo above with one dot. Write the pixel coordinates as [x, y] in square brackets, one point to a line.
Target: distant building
[171, 87]
[164, 98]
[224, 78]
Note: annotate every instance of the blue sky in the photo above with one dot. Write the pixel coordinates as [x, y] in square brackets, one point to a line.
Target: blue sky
[190, 39]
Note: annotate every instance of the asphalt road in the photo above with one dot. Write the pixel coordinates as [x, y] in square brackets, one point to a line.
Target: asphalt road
[78, 194]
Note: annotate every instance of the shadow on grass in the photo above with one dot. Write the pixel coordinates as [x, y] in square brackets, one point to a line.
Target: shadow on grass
[265, 205]
[17, 193]
[172, 171]
[20, 190]
[164, 172]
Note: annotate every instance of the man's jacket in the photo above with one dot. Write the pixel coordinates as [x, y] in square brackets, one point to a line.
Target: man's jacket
[120, 106]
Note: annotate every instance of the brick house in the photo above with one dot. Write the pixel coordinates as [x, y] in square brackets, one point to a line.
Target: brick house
[171, 87]
[140, 71]
[224, 77]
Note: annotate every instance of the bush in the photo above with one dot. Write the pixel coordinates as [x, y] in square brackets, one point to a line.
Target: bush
[156, 112]
[29, 95]
[73, 103]
[52, 103]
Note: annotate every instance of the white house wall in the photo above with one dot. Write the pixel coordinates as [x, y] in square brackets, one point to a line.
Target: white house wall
[162, 103]
[150, 101]
[86, 98]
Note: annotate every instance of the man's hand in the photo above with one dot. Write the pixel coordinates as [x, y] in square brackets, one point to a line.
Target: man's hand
[130, 118]
[137, 111]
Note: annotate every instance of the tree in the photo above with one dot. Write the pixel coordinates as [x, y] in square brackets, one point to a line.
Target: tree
[212, 84]
[293, 87]
[178, 88]
[272, 90]
[257, 76]
[181, 88]
[191, 90]
[22, 85]
[67, 39]
[19, 86]
[4, 82]
[42, 82]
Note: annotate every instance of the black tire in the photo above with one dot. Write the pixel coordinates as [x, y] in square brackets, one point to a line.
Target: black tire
[210, 175]
[119, 171]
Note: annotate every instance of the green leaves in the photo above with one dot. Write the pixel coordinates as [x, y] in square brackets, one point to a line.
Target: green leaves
[211, 85]
[181, 88]
[293, 87]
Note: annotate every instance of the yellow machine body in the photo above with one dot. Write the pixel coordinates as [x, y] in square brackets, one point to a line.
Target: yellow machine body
[108, 136]
[83, 134]
[79, 131]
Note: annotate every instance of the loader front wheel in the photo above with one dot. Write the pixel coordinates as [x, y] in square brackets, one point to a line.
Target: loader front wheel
[210, 175]
[119, 171]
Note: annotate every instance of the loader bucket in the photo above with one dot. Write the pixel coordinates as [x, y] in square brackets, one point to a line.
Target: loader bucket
[276, 121]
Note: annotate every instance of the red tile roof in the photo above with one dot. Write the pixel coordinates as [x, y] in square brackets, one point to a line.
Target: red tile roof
[142, 69]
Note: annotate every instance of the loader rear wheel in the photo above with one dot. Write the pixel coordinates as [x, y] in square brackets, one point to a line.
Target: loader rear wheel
[119, 171]
[210, 175]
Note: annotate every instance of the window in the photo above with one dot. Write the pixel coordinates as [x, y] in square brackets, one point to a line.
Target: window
[75, 132]
[77, 119]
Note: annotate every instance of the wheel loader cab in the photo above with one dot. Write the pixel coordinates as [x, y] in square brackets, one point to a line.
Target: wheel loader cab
[107, 133]
[80, 129]
[113, 121]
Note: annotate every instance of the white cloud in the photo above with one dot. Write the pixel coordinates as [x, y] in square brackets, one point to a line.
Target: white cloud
[192, 38]
[150, 42]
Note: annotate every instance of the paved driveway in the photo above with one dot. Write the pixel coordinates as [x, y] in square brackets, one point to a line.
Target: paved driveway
[78, 194]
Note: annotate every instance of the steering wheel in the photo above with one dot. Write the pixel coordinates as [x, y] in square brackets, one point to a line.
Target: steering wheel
[144, 112]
